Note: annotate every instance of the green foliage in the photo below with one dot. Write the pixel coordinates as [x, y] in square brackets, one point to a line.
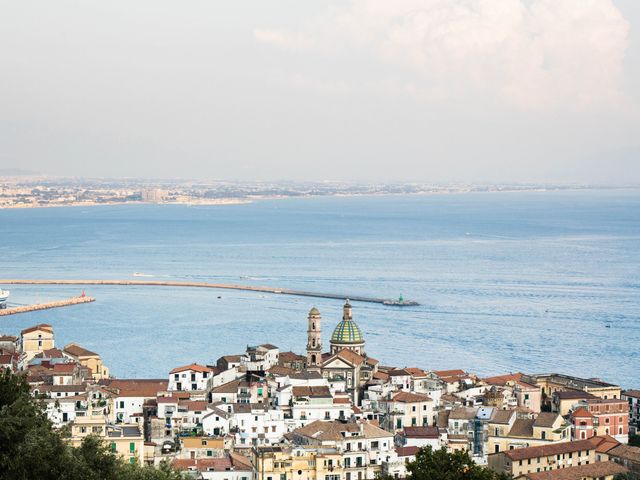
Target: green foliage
[31, 449]
[441, 465]
[634, 440]
[627, 476]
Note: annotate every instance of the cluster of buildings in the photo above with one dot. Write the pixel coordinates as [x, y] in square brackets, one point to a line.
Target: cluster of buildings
[331, 413]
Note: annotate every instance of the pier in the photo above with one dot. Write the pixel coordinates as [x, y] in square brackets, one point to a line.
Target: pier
[223, 286]
[46, 306]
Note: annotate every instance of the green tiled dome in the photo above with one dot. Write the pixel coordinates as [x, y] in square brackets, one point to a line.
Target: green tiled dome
[347, 332]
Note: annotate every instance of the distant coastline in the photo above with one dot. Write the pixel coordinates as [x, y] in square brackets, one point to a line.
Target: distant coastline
[41, 194]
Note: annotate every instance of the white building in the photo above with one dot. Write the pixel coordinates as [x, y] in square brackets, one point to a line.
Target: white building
[192, 377]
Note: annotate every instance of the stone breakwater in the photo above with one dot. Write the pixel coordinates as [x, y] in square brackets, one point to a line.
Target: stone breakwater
[45, 306]
[224, 286]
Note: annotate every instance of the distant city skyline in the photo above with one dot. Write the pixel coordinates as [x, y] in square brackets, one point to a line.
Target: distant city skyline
[503, 91]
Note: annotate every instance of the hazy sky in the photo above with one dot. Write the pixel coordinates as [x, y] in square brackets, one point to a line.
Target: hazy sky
[425, 90]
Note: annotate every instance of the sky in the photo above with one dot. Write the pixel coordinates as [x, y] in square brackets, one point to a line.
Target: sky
[355, 90]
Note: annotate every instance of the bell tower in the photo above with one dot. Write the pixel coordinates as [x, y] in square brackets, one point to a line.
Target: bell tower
[314, 340]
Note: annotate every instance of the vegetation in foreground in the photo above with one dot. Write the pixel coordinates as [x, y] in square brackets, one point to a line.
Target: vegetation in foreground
[30, 448]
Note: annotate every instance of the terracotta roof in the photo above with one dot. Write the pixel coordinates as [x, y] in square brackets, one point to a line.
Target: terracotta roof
[573, 395]
[408, 397]
[62, 368]
[136, 387]
[407, 451]
[627, 452]
[193, 366]
[604, 443]
[232, 358]
[341, 400]
[381, 376]
[79, 351]
[8, 338]
[416, 372]
[326, 431]
[42, 326]
[167, 400]
[196, 406]
[546, 419]
[503, 379]
[592, 471]
[502, 417]
[522, 427]
[372, 361]
[291, 357]
[208, 464]
[399, 372]
[548, 450]
[421, 432]
[50, 353]
[581, 412]
[229, 387]
[463, 413]
[278, 370]
[350, 356]
[632, 393]
[449, 373]
[305, 391]
[268, 346]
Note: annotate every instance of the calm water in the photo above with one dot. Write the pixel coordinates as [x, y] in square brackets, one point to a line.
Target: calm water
[508, 281]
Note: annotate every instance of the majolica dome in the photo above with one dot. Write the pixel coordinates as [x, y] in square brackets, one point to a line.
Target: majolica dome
[347, 331]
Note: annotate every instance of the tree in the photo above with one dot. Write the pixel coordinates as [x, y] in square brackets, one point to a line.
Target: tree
[441, 465]
[627, 476]
[30, 448]
[634, 440]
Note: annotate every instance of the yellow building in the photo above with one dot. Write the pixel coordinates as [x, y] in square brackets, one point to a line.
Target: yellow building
[301, 463]
[506, 431]
[88, 359]
[125, 440]
[555, 382]
[543, 458]
[36, 339]
[198, 447]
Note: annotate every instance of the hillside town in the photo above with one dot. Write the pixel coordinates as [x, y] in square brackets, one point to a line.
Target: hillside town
[331, 413]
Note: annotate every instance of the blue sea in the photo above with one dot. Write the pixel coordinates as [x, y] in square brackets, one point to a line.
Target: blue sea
[528, 281]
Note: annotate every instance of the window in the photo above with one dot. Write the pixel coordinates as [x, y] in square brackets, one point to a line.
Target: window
[113, 446]
[132, 447]
[544, 435]
[374, 444]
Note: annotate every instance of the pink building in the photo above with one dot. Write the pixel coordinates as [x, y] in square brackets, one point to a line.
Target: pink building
[598, 416]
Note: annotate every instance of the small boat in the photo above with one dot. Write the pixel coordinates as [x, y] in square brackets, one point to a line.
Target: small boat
[138, 274]
[4, 294]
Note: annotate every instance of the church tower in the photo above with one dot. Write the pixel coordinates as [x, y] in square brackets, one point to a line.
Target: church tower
[314, 340]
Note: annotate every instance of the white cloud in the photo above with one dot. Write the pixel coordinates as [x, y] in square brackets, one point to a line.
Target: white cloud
[529, 54]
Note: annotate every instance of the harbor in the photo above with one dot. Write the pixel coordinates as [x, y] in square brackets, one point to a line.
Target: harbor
[223, 286]
[46, 306]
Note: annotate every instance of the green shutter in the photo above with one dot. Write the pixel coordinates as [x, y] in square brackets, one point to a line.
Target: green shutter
[132, 446]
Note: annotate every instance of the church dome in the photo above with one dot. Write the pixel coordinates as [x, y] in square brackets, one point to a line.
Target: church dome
[347, 332]
[314, 311]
